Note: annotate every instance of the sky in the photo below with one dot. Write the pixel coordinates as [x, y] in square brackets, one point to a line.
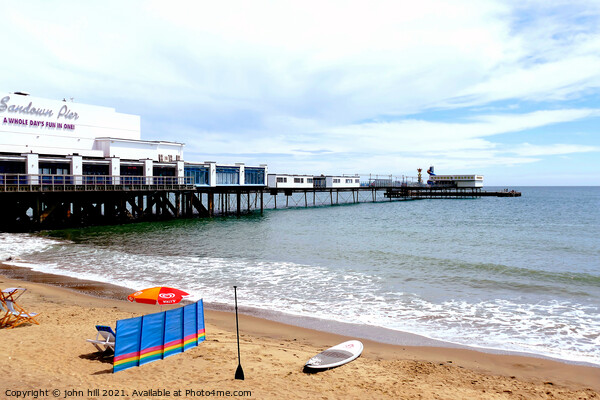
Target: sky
[506, 89]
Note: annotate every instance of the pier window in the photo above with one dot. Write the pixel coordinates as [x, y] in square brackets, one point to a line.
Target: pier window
[94, 174]
[164, 175]
[198, 175]
[298, 180]
[309, 180]
[55, 173]
[348, 180]
[131, 174]
[254, 176]
[319, 182]
[12, 172]
[281, 179]
[336, 181]
[228, 176]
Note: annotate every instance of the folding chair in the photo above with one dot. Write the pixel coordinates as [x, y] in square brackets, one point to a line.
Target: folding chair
[19, 314]
[15, 311]
[105, 339]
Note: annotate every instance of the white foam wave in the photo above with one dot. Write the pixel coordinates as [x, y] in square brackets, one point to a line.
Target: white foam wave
[17, 245]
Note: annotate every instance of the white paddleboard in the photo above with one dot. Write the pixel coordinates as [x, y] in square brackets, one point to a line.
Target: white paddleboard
[337, 355]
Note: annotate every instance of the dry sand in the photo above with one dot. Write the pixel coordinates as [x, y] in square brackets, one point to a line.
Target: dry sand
[55, 356]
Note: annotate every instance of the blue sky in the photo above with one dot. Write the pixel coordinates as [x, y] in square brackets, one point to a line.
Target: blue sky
[507, 89]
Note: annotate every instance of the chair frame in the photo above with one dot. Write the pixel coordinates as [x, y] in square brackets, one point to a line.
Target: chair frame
[4, 319]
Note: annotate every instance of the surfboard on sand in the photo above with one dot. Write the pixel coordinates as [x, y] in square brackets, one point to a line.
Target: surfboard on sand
[335, 356]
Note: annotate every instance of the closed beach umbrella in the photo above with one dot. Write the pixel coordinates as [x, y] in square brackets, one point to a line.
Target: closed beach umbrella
[158, 295]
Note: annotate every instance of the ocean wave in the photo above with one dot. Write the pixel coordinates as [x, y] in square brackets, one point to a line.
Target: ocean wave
[562, 329]
[18, 245]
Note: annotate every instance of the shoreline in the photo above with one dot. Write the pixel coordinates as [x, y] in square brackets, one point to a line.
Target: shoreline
[358, 331]
[498, 369]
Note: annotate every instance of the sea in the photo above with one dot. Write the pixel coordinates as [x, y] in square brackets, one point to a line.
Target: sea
[515, 274]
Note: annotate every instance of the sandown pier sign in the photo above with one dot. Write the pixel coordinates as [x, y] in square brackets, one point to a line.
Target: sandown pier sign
[52, 126]
[22, 115]
[64, 111]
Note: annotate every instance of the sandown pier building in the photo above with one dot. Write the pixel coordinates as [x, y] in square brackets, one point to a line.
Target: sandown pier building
[68, 164]
[53, 141]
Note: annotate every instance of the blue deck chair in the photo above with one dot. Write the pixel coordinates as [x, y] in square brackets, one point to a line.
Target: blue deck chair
[105, 339]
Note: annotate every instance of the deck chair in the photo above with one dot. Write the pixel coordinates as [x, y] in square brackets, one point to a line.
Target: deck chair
[19, 315]
[105, 339]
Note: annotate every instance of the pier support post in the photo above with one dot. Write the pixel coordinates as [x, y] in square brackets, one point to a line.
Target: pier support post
[37, 211]
[211, 204]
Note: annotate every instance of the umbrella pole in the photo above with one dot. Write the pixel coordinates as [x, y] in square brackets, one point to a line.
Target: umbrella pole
[239, 373]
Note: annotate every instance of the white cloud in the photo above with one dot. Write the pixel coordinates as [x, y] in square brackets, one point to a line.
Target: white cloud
[350, 59]
[527, 149]
[554, 55]
[420, 135]
[556, 80]
[338, 61]
[398, 146]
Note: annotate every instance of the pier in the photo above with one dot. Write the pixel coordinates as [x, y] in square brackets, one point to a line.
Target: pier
[39, 202]
[99, 171]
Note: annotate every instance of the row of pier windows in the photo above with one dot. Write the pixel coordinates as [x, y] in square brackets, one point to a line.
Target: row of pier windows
[200, 174]
[451, 178]
[283, 179]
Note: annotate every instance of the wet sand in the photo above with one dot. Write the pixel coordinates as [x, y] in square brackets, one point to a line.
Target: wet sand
[55, 356]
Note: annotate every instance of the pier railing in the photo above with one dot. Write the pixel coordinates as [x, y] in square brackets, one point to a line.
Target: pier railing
[63, 183]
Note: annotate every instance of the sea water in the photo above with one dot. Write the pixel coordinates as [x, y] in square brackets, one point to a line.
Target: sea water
[516, 274]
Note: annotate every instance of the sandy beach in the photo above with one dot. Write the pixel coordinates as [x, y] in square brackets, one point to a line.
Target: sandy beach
[53, 359]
